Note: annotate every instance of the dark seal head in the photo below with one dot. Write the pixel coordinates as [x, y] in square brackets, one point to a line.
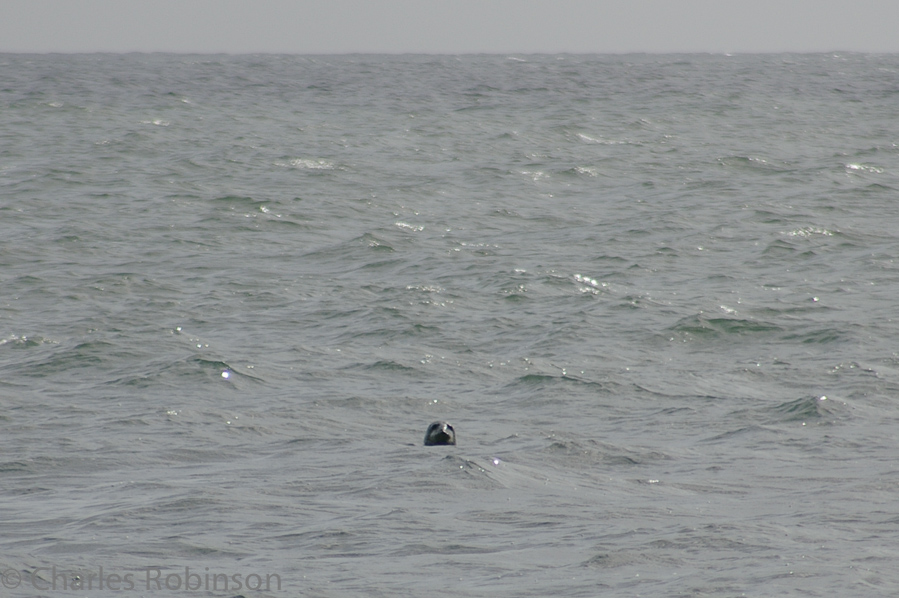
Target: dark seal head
[440, 433]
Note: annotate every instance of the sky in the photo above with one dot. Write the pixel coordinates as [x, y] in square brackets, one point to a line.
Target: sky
[448, 26]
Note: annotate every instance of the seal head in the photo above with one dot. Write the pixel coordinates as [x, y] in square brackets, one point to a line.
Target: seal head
[440, 433]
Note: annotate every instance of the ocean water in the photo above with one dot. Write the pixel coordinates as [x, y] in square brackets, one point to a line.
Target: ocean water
[657, 297]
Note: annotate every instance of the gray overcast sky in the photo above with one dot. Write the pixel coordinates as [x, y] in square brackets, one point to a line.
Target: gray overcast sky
[449, 26]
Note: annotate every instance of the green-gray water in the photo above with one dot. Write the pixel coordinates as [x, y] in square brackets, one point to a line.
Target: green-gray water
[655, 295]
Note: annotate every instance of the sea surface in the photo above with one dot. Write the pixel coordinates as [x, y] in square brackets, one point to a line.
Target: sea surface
[657, 296]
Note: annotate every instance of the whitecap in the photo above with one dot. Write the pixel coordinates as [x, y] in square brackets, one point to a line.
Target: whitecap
[595, 140]
[864, 168]
[305, 163]
[536, 175]
[592, 285]
[808, 231]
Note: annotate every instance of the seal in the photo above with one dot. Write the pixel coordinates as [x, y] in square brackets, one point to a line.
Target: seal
[440, 433]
